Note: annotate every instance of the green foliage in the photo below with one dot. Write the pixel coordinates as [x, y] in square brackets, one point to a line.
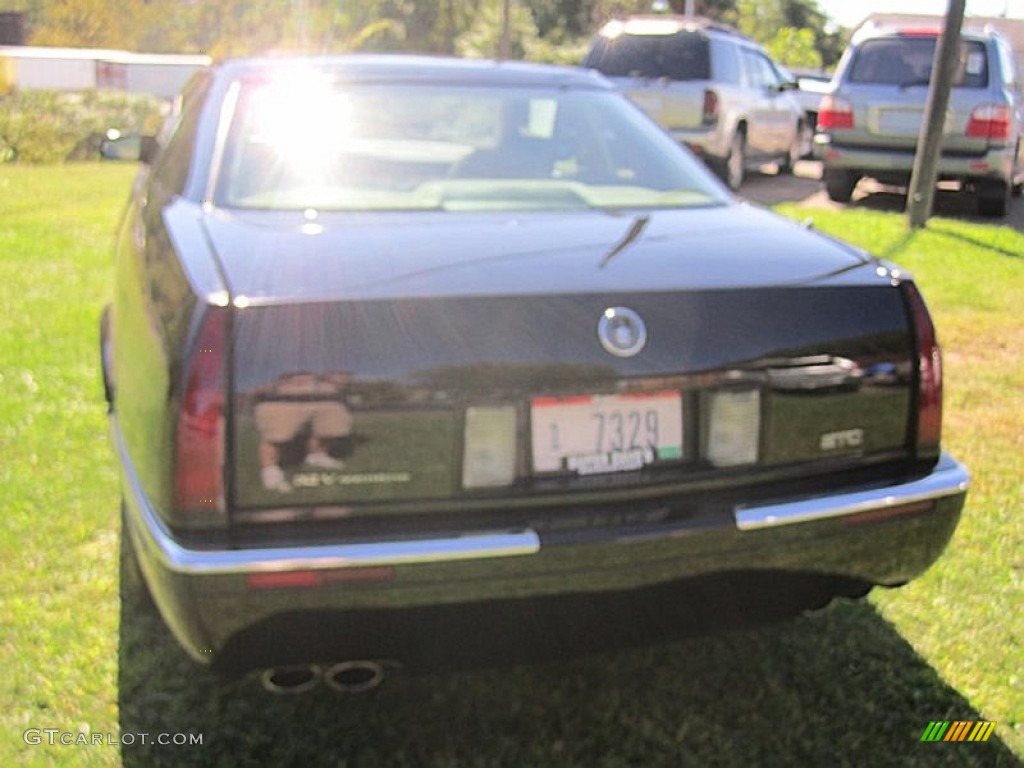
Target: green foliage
[481, 40]
[794, 48]
[793, 31]
[42, 126]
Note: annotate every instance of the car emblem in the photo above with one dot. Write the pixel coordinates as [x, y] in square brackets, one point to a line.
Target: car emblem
[622, 332]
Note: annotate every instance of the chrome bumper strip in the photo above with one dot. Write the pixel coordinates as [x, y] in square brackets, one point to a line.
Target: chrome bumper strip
[158, 542]
[474, 546]
[949, 478]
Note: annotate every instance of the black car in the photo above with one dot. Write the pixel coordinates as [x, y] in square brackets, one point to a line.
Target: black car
[415, 358]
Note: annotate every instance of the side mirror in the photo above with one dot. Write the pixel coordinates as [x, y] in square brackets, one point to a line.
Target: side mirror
[135, 149]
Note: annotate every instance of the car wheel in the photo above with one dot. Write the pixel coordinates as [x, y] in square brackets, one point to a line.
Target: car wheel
[799, 149]
[993, 198]
[106, 358]
[839, 184]
[736, 163]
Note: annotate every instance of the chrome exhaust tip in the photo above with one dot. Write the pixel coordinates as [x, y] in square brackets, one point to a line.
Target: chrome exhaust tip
[354, 676]
[284, 681]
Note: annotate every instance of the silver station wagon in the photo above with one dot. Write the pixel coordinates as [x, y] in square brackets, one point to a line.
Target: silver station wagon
[426, 361]
[869, 124]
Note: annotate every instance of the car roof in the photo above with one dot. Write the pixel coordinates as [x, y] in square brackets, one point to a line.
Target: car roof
[872, 32]
[422, 69]
[653, 25]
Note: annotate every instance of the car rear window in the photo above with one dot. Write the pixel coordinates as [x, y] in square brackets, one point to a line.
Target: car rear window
[907, 61]
[304, 138]
[680, 56]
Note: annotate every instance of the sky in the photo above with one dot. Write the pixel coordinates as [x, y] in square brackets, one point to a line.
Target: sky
[849, 13]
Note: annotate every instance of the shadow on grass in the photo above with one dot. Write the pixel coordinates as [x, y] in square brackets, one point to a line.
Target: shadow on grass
[939, 229]
[948, 203]
[839, 687]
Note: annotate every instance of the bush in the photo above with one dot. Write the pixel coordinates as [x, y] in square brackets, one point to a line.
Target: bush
[52, 126]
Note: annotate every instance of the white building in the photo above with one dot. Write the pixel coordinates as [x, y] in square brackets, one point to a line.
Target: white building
[75, 69]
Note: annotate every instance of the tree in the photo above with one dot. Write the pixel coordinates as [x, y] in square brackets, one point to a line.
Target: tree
[778, 24]
[794, 48]
[88, 24]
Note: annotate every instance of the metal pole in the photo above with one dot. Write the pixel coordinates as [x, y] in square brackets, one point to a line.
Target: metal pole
[921, 193]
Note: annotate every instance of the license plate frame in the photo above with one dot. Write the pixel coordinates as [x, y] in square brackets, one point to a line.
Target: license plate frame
[606, 433]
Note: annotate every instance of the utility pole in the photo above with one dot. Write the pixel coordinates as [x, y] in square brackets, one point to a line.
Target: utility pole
[504, 43]
[921, 193]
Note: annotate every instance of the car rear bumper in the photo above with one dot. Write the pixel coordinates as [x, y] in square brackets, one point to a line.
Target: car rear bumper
[706, 143]
[881, 534]
[996, 164]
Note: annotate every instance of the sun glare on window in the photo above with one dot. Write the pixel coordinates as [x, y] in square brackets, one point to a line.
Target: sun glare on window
[303, 118]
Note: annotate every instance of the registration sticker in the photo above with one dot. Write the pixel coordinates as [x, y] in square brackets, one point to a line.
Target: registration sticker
[593, 434]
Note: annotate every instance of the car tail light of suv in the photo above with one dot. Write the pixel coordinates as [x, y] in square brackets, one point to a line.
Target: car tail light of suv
[199, 435]
[710, 109]
[990, 121]
[835, 113]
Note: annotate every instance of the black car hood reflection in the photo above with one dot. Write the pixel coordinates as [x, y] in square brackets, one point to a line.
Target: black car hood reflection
[270, 257]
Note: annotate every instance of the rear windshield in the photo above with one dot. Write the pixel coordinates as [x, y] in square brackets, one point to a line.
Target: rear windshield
[680, 56]
[908, 61]
[309, 140]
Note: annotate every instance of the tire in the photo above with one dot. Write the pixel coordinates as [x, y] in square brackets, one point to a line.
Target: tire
[994, 198]
[839, 184]
[106, 359]
[735, 165]
[799, 149]
[1016, 190]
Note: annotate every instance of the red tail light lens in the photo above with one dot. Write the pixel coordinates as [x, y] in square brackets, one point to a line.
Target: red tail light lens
[834, 113]
[929, 375]
[991, 121]
[709, 111]
[199, 443]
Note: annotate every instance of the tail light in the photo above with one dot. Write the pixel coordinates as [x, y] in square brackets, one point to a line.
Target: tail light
[709, 110]
[835, 113]
[991, 121]
[199, 438]
[929, 375]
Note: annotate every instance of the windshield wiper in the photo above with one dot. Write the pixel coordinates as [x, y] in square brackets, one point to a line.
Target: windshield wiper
[635, 230]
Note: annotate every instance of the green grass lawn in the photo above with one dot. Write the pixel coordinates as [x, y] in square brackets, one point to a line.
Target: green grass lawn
[854, 685]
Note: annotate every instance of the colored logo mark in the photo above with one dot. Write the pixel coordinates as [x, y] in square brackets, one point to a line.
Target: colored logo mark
[959, 730]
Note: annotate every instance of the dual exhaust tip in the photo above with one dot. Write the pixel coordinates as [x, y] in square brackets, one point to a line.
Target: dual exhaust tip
[343, 677]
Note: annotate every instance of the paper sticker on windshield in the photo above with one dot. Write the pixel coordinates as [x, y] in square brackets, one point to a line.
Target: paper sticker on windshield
[975, 63]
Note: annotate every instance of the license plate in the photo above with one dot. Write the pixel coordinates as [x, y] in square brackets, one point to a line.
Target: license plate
[606, 433]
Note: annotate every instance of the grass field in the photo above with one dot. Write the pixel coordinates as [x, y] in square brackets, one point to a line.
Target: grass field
[853, 685]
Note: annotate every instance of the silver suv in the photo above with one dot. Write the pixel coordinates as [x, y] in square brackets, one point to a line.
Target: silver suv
[710, 87]
[869, 124]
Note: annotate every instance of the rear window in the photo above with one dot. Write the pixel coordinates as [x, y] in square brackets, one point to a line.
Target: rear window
[680, 56]
[908, 61]
[303, 138]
